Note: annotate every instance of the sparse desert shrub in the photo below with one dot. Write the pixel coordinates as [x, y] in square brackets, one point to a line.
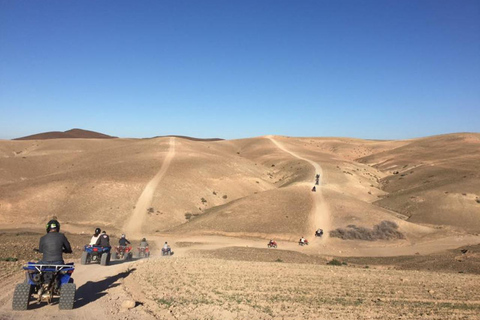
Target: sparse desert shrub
[214, 193]
[385, 230]
[9, 259]
[279, 260]
[334, 262]
[188, 215]
[204, 200]
[150, 210]
[478, 200]
[224, 196]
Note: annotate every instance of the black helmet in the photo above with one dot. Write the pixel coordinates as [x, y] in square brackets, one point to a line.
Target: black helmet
[53, 224]
[97, 231]
[144, 239]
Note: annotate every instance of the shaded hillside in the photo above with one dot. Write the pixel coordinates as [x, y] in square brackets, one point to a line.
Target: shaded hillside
[433, 180]
[189, 138]
[70, 134]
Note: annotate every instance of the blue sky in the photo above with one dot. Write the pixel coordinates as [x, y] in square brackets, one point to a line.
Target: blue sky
[235, 69]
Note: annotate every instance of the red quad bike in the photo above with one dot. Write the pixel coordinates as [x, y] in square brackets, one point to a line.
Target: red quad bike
[123, 253]
[305, 243]
[272, 244]
[143, 252]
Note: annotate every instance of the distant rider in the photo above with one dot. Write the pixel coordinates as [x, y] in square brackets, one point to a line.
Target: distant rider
[53, 244]
[123, 241]
[143, 243]
[314, 189]
[166, 247]
[95, 236]
[103, 240]
[302, 240]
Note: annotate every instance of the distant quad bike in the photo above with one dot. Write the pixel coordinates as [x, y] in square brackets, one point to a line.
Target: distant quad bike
[272, 244]
[143, 252]
[123, 253]
[167, 252]
[45, 282]
[96, 254]
[319, 233]
[304, 243]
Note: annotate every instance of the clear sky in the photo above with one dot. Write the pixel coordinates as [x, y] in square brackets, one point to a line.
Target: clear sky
[389, 69]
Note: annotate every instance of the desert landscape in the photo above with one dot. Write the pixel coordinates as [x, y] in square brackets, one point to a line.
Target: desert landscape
[401, 222]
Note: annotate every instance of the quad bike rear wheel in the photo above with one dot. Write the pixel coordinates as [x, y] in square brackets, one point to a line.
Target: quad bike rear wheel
[21, 296]
[67, 296]
[84, 259]
[105, 260]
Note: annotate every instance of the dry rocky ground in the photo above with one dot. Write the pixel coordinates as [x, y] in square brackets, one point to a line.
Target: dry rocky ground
[209, 288]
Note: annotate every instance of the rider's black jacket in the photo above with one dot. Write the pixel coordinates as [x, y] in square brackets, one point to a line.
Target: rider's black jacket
[52, 245]
[103, 240]
[123, 242]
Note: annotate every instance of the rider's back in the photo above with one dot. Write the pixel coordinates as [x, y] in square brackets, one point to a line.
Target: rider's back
[52, 245]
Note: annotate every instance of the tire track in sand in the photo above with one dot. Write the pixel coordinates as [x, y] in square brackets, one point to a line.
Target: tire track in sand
[133, 226]
[320, 217]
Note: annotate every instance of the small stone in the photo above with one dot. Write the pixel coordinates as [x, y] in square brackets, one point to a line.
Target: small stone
[128, 304]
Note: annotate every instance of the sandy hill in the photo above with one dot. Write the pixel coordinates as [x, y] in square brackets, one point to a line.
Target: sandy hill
[70, 134]
[258, 187]
[433, 180]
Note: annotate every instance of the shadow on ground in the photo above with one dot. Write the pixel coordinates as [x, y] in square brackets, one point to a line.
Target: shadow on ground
[93, 290]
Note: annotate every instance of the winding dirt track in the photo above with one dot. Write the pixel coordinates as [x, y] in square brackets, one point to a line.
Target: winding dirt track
[133, 226]
[320, 217]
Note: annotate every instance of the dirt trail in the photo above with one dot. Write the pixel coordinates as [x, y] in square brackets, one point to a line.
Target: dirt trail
[99, 295]
[133, 226]
[321, 215]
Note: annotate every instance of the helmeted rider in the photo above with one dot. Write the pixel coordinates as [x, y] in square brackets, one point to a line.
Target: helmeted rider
[53, 244]
[123, 241]
[302, 240]
[271, 241]
[95, 236]
[143, 243]
[103, 240]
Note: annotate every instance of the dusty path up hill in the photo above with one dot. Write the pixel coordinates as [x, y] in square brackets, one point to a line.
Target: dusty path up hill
[320, 217]
[134, 224]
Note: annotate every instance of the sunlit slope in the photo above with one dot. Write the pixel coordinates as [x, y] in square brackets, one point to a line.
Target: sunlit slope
[433, 180]
[80, 181]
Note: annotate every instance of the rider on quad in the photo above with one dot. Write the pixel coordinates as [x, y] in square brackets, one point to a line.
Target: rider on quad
[302, 240]
[95, 236]
[123, 241]
[103, 240]
[166, 248]
[53, 244]
[143, 243]
[319, 233]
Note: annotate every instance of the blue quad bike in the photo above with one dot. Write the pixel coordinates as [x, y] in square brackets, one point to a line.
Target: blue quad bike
[96, 254]
[45, 282]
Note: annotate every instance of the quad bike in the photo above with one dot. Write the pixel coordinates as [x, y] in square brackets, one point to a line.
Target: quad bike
[319, 233]
[96, 254]
[143, 252]
[304, 243]
[123, 253]
[44, 282]
[167, 252]
[272, 244]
